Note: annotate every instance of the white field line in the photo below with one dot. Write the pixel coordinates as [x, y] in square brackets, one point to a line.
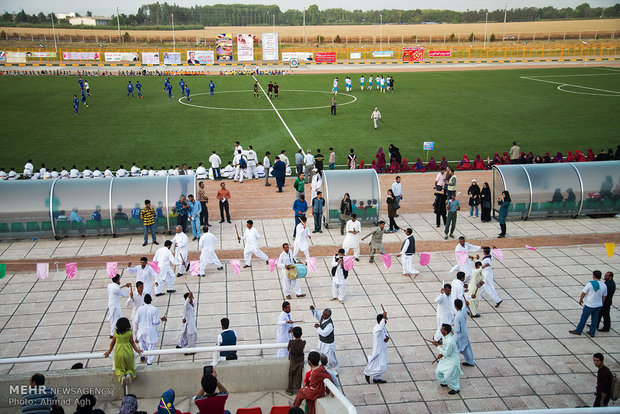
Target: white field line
[277, 113]
[566, 76]
[568, 84]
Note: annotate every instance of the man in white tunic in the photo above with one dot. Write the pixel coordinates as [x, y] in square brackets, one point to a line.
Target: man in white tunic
[180, 241]
[339, 277]
[317, 182]
[251, 238]
[476, 284]
[206, 244]
[163, 257]
[445, 309]
[378, 360]
[458, 290]
[284, 329]
[188, 331]
[301, 241]
[114, 308]
[466, 267]
[407, 250]
[376, 117]
[352, 238]
[239, 170]
[136, 299]
[487, 272]
[326, 343]
[145, 274]
[448, 370]
[461, 335]
[148, 319]
[252, 160]
[287, 261]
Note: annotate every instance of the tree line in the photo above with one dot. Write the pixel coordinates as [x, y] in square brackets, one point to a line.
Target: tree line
[160, 14]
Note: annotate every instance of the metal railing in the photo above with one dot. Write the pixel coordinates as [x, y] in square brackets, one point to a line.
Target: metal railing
[215, 349]
[340, 396]
[581, 410]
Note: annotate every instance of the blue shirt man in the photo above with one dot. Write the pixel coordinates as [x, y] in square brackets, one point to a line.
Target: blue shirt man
[84, 98]
[169, 87]
[461, 335]
[300, 206]
[194, 215]
[166, 82]
[76, 103]
[187, 94]
[182, 84]
[317, 211]
[279, 172]
[81, 83]
[129, 89]
[211, 87]
[139, 88]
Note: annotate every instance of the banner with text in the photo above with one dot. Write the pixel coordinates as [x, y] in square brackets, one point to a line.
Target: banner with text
[40, 54]
[200, 57]
[150, 58]
[270, 46]
[121, 56]
[326, 57]
[80, 55]
[413, 54]
[355, 55]
[245, 47]
[439, 53]
[300, 56]
[16, 57]
[224, 47]
[172, 58]
[383, 54]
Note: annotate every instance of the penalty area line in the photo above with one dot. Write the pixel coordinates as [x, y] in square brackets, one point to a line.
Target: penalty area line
[277, 113]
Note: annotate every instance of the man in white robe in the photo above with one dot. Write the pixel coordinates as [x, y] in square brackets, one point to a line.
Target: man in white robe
[206, 245]
[301, 241]
[163, 257]
[326, 343]
[476, 284]
[445, 309]
[352, 238]
[114, 308]
[136, 299]
[251, 238]
[145, 274]
[148, 319]
[287, 261]
[407, 251]
[467, 248]
[448, 370]
[188, 331]
[378, 360]
[317, 183]
[180, 241]
[284, 329]
[487, 271]
[458, 290]
[339, 277]
[461, 334]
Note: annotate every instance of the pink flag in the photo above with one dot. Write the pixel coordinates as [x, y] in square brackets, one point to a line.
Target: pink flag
[236, 266]
[387, 260]
[71, 269]
[425, 259]
[461, 257]
[194, 267]
[272, 264]
[43, 270]
[530, 247]
[111, 269]
[348, 263]
[155, 267]
[498, 253]
[311, 263]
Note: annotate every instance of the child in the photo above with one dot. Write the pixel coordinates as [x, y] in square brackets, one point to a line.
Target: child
[122, 343]
[188, 334]
[324, 362]
[315, 388]
[296, 356]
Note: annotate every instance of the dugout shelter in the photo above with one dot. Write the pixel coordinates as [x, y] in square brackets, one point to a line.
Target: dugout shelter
[559, 189]
[363, 188]
[39, 208]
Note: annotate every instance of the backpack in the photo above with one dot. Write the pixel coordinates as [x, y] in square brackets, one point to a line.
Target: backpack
[242, 162]
[614, 393]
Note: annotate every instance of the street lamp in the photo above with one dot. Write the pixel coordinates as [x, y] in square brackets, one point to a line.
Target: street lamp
[486, 21]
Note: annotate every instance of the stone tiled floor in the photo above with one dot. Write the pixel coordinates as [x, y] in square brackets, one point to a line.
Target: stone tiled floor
[277, 231]
[525, 356]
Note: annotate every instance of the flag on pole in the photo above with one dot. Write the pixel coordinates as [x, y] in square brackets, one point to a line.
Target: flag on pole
[530, 247]
[348, 263]
[236, 266]
[111, 269]
[272, 263]
[425, 259]
[498, 253]
[194, 267]
[364, 45]
[311, 263]
[609, 247]
[43, 270]
[387, 260]
[71, 270]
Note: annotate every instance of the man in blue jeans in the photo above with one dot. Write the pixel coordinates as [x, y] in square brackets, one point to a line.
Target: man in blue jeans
[592, 298]
[147, 215]
[317, 211]
[453, 207]
[195, 209]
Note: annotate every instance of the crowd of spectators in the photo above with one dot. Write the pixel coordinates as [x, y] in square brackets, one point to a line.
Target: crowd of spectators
[142, 72]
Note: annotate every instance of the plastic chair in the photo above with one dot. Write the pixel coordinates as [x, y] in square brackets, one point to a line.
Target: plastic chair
[211, 405]
[253, 410]
[134, 223]
[280, 409]
[46, 226]
[4, 228]
[32, 226]
[17, 227]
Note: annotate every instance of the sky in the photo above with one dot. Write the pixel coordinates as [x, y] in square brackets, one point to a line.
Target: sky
[106, 8]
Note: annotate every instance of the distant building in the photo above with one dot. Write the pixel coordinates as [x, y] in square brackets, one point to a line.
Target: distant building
[61, 16]
[90, 21]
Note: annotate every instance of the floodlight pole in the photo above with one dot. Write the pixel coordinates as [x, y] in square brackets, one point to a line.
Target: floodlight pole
[486, 21]
[304, 25]
[54, 32]
[504, 31]
[118, 25]
[381, 33]
[174, 44]
[274, 22]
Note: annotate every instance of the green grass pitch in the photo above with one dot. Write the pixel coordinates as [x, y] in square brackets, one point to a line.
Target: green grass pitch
[472, 112]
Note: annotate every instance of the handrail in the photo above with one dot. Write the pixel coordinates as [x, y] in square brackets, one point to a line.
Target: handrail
[580, 410]
[340, 396]
[215, 349]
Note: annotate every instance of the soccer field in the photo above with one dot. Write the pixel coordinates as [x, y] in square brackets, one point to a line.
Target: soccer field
[472, 112]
